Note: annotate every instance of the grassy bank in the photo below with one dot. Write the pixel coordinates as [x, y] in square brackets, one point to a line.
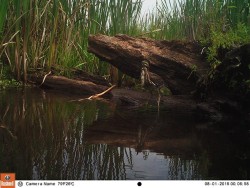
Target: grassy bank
[41, 34]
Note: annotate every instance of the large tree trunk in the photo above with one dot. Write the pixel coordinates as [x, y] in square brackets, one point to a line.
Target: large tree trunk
[178, 64]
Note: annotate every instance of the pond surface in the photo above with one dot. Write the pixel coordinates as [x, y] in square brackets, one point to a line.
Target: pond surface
[47, 135]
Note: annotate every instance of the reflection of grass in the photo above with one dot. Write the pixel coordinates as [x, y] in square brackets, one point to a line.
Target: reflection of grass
[180, 169]
[50, 134]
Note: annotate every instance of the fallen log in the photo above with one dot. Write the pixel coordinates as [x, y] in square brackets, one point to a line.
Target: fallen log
[184, 105]
[78, 74]
[178, 64]
[72, 86]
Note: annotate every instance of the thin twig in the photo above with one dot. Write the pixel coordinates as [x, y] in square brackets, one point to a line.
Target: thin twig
[45, 78]
[96, 95]
[102, 93]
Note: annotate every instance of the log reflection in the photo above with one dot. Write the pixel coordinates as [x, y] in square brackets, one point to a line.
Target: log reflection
[44, 136]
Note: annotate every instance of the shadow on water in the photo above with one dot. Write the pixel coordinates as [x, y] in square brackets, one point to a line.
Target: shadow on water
[45, 136]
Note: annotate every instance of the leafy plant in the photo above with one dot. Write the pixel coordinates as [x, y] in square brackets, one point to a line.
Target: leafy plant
[220, 40]
[6, 80]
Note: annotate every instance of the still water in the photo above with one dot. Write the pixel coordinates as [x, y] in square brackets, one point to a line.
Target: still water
[48, 135]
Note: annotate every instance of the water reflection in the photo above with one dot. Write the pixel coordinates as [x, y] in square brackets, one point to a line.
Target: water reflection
[158, 167]
[45, 136]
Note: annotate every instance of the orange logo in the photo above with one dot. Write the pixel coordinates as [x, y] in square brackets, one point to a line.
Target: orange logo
[7, 180]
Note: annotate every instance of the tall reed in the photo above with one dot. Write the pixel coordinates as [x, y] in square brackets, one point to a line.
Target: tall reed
[55, 32]
[3, 12]
[193, 19]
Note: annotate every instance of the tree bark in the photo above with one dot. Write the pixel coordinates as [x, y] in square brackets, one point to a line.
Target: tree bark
[178, 64]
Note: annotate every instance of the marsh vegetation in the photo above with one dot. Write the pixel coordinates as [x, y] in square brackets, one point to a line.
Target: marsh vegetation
[49, 135]
[36, 35]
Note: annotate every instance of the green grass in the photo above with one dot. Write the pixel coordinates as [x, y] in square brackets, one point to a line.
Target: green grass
[194, 19]
[42, 34]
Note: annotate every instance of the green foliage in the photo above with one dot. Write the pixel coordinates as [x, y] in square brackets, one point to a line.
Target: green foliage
[232, 73]
[6, 83]
[226, 40]
[165, 91]
[232, 76]
[6, 79]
